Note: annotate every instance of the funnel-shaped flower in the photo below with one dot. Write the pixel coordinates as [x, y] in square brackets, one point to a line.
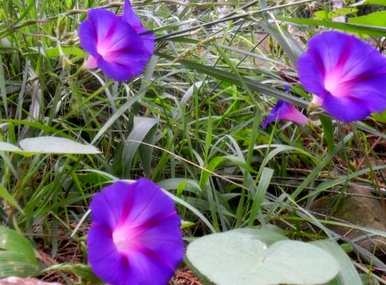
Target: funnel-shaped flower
[346, 74]
[135, 236]
[119, 45]
[284, 111]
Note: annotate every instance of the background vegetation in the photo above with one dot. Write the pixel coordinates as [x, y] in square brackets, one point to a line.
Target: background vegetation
[191, 124]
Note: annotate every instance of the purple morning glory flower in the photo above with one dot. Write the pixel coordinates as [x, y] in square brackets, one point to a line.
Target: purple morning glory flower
[135, 236]
[119, 45]
[284, 111]
[346, 75]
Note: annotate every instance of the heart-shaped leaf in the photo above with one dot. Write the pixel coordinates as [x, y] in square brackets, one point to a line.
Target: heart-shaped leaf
[240, 258]
[17, 256]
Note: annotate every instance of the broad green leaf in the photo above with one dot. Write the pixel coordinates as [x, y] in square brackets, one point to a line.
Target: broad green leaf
[141, 128]
[240, 257]
[348, 275]
[376, 2]
[17, 256]
[56, 145]
[4, 146]
[328, 15]
[373, 19]
[376, 31]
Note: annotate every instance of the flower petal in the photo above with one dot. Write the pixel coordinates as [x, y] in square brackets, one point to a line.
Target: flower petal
[135, 236]
[91, 62]
[119, 51]
[346, 109]
[108, 206]
[346, 73]
[133, 20]
[124, 66]
[131, 17]
[284, 111]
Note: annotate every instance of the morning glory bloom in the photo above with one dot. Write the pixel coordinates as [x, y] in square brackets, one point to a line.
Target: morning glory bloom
[284, 111]
[135, 236]
[346, 75]
[119, 45]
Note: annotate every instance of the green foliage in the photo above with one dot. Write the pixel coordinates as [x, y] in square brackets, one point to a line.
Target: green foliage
[377, 31]
[48, 145]
[376, 2]
[191, 123]
[380, 117]
[347, 273]
[373, 19]
[17, 256]
[261, 257]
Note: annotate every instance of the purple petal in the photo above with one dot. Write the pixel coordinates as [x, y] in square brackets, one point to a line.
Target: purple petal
[133, 20]
[116, 47]
[346, 73]
[91, 62]
[135, 237]
[284, 111]
[345, 109]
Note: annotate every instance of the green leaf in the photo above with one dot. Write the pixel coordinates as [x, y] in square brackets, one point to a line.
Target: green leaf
[328, 132]
[380, 117]
[240, 81]
[376, 31]
[328, 15]
[4, 194]
[348, 275]
[241, 257]
[4, 146]
[56, 145]
[376, 2]
[264, 182]
[373, 19]
[55, 52]
[141, 128]
[17, 256]
[175, 184]
[81, 270]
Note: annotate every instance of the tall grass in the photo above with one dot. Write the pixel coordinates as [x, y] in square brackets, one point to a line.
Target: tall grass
[191, 123]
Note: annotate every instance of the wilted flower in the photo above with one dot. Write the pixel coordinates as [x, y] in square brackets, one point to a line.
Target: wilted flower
[346, 75]
[135, 236]
[284, 111]
[119, 45]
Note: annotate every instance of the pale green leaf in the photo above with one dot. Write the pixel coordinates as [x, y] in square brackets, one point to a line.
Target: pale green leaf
[348, 275]
[141, 128]
[56, 145]
[4, 146]
[373, 19]
[240, 257]
[17, 256]
[376, 2]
